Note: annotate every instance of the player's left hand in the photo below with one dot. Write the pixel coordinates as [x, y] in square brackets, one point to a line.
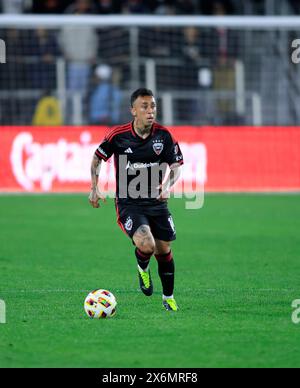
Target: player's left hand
[96, 196]
[164, 195]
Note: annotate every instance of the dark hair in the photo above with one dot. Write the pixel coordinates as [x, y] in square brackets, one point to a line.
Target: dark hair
[140, 93]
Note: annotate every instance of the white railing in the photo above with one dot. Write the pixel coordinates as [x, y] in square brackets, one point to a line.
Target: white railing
[234, 22]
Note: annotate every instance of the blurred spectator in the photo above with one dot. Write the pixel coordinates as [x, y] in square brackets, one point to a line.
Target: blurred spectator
[44, 51]
[105, 7]
[196, 46]
[14, 6]
[185, 7]
[114, 49]
[114, 45]
[193, 55]
[79, 46]
[192, 45]
[81, 7]
[159, 42]
[50, 6]
[296, 5]
[224, 57]
[225, 49]
[206, 7]
[164, 7]
[48, 112]
[136, 7]
[105, 102]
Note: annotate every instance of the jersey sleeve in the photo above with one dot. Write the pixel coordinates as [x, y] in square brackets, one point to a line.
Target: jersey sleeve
[105, 150]
[173, 154]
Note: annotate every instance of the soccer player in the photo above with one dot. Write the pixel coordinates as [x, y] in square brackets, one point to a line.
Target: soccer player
[143, 150]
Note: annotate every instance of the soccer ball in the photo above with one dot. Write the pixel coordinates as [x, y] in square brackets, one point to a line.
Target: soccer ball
[100, 304]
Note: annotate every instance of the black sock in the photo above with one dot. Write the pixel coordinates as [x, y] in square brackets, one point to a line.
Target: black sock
[166, 271]
[142, 259]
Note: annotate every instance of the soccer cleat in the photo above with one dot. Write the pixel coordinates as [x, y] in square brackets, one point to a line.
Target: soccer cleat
[145, 281]
[170, 305]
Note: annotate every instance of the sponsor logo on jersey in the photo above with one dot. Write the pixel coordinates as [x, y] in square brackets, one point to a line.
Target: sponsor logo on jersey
[129, 151]
[102, 152]
[139, 166]
[129, 166]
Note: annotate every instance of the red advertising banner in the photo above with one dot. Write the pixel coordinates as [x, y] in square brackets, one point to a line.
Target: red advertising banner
[34, 159]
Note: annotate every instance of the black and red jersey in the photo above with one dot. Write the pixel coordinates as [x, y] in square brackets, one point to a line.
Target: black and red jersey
[141, 164]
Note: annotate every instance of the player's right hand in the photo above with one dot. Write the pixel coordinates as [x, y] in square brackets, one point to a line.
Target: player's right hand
[96, 196]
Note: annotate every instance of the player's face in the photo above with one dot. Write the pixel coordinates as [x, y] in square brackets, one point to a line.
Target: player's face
[145, 111]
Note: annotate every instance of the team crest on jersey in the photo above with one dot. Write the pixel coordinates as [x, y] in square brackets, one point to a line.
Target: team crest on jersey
[129, 224]
[158, 147]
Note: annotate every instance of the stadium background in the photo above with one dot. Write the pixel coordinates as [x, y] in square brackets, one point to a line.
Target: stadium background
[227, 87]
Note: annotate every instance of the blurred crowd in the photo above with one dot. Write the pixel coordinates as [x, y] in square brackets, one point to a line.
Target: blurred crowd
[97, 64]
[33, 54]
[160, 7]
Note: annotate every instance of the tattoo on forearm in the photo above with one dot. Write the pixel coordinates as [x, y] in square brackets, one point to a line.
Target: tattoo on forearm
[174, 176]
[95, 171]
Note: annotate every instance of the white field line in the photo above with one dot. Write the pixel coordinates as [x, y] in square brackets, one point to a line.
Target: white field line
[212, 192]
[57, 291]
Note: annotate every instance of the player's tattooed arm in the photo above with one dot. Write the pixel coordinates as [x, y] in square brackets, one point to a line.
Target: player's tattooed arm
[95, 171]
[169, 183]
[95, 194]
[174, 175]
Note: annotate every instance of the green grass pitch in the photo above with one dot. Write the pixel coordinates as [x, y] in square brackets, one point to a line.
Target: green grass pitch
[237, 265]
